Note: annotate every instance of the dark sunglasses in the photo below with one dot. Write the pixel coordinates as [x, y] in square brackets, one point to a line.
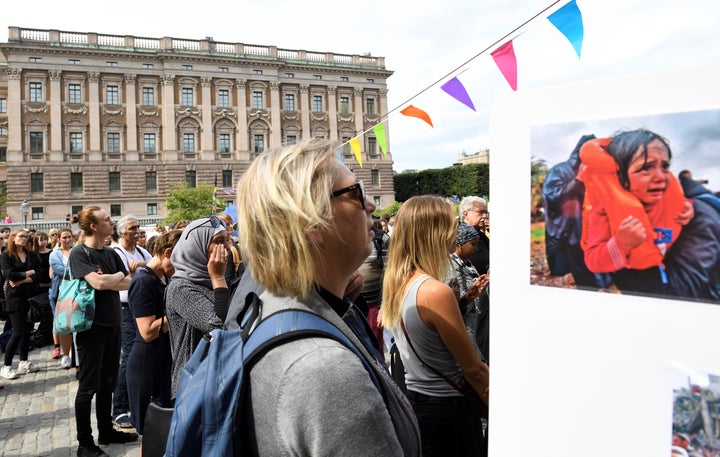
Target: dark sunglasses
[213, 221]
[357, 186]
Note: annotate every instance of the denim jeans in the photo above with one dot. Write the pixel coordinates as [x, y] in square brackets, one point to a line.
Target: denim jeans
[99, 352]
[449, 426]
[121, 404]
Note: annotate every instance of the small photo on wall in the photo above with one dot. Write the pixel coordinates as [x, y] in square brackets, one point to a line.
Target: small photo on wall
[628, 205]
[696, 416]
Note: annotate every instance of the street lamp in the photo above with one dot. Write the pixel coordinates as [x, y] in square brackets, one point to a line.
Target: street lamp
[25, 209]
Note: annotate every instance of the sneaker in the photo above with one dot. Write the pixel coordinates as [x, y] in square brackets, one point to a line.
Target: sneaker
[65, 362]
[25, 366]
[117, 437]
[7, 372]
[123, 421]
[90, 450]
[56, 353]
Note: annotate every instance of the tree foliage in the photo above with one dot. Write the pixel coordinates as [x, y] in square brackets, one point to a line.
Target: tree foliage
[538, 172]
[189, 203]
[463, 180]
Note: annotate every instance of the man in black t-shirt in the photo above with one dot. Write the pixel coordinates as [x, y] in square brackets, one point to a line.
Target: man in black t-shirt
[98, 347]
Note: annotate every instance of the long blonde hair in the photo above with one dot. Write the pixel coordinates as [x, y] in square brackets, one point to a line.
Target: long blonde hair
[423, 234]
[283, 196]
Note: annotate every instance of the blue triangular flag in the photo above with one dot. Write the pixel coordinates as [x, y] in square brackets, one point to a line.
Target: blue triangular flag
[568, 20]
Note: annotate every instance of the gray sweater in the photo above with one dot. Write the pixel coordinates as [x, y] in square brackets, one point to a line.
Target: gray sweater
[313, 397]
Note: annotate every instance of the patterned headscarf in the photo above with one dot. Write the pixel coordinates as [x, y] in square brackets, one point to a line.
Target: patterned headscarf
[189, 257]
[465, 233]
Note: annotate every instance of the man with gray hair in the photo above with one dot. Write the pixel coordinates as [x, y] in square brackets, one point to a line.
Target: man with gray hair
[133, 256]
[473, 212]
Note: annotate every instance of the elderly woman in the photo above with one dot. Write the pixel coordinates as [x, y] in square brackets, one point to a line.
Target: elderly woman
[196, 299]
[639, 226]
[423, 314]
[305, 228]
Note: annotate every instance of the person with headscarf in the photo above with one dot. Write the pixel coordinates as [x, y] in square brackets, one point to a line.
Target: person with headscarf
[197, 297]
[470, 284]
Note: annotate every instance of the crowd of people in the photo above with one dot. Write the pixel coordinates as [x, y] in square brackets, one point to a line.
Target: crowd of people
[417, 283]
[418, 280]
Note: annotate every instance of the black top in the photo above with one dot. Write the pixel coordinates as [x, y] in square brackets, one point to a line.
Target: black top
[84, 260]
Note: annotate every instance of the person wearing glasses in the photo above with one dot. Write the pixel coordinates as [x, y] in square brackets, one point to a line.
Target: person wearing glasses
[133, 257]
[473, 212]
[20, 269]
[305, 228]
[197, 297]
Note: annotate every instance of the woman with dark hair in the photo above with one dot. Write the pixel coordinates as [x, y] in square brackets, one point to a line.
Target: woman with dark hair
[634, 209]
[145, 298]
[197, 297]
[20, 269]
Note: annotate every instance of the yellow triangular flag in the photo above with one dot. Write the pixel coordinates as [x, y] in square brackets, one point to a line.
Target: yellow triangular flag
[380, 135]
[355, 145]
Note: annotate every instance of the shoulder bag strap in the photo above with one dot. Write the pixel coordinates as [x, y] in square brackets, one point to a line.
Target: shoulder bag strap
[454, 384]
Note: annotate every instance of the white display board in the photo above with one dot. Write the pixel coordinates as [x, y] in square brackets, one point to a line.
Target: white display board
[581, 373]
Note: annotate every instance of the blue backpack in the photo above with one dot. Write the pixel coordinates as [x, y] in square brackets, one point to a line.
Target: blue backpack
[210, 400]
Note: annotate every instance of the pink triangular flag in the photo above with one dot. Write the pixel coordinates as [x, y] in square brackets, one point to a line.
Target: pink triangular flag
[455, 88]
[507, 63]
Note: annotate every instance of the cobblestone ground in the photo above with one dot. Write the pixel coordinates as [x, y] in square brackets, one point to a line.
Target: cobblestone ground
[37, 413]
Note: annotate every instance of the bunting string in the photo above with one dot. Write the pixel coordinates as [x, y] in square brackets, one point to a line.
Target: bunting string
[465, 98]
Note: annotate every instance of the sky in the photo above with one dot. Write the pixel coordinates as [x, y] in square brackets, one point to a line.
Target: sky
[693, 136]
[424, 44]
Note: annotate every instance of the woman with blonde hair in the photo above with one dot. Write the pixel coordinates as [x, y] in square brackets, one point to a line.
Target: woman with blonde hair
[305, 228]
[424, 316]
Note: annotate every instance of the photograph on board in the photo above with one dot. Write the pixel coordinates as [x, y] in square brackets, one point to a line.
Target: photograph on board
[628, 205]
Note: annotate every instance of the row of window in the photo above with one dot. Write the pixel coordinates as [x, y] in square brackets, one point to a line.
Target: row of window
[38, 212]
[149, 66]
[187, 98]
[37, 181]
[149, 144]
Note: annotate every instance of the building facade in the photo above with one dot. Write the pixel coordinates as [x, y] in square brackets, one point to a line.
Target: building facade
[111, 120]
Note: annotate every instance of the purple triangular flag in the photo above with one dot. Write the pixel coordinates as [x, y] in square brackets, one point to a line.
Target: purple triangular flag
[455, 88]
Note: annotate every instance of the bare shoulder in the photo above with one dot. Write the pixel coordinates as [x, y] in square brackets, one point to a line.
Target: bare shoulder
[434, 289]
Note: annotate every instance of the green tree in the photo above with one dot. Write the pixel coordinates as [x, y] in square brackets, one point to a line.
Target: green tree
[538, 172]
[189, 203]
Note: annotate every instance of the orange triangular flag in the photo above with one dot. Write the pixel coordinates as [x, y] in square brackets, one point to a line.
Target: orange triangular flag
[355, 145]
[418, 113]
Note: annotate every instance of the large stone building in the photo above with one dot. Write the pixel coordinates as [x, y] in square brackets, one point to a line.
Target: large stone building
[87, 118]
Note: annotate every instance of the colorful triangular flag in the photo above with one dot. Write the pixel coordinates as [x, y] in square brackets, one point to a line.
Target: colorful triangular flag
[568, 20]
[455, 88]
[355, 145]
[412, 111]
[379, 131]
[507, 63]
